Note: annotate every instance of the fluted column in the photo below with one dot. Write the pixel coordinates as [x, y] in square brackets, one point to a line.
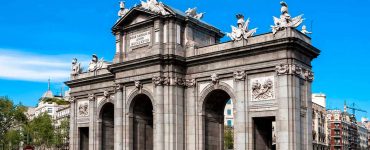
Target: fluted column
[118, 114]
[91, 123]
[240, 130]
[159, 134]
[72, 123]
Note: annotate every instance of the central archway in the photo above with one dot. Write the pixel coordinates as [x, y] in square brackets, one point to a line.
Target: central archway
[107, 126]
[214, 105]
[142, 122]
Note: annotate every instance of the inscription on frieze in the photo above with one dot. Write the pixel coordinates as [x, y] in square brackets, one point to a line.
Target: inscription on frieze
[139, 39]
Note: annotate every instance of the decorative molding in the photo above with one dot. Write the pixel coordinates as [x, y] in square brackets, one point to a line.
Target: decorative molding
[263, 88]
[292, 69]
[215, 79]
[106, 94]
[239, 75]
[83, 109]
[190, 83]
[180, 81]
[91, 97]
[158, 80]
[71, 99]
[118, 87]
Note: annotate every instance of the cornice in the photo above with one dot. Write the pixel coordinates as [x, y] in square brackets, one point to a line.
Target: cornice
[289, 43]
[90, 80]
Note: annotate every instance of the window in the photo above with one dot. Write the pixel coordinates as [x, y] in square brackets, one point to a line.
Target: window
[50, 110]
[229, 123]
[229, 112]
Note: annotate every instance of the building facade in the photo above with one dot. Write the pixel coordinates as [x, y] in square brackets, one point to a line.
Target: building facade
[319, 123]
[170, 80]
[362, 139]
[229, 114]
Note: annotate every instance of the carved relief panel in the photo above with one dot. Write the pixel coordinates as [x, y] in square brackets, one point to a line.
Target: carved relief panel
[83, 109]
[262, 88]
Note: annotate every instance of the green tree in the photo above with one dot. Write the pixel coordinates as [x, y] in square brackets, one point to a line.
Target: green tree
[11, 117]
[12, 139]
[62, 134]
[228, 137]
[42, 131]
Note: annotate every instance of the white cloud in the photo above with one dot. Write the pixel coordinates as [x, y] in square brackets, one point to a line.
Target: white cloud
[20, 65]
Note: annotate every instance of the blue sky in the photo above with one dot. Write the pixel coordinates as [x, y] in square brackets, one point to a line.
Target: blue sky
[39, 38]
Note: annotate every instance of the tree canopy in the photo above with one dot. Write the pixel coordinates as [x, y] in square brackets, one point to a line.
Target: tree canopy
[11, 118]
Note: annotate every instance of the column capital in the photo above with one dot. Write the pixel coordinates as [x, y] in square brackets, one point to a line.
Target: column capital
[239, 75]
[71, 99]
[293, 69]
[91, 97]
[118, 87]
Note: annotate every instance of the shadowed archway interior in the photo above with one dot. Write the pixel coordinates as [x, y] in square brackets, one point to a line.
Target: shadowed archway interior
[214, 106]
[107, 117]
[142, 121]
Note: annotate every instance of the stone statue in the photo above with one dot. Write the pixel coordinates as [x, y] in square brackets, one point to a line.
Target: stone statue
[96, 64]
[304, 30]
[285, 21]
[192, 12]
[154, 6]
[76, 67]
[242, 31]
[122, 11]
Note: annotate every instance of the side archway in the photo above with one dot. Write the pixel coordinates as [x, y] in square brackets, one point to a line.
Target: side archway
[141, 122]
[212, 103]
[106, 116]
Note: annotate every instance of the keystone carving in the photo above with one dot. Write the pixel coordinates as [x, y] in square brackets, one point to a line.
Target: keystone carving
[289, 69]
[239, 75]
[215, 79]
[138, 85]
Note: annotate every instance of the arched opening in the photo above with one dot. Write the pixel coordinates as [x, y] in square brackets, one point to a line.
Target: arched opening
[142, 123]
[107, 126]
[214, 108]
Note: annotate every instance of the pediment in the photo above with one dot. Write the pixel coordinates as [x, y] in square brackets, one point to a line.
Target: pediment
[134, 16]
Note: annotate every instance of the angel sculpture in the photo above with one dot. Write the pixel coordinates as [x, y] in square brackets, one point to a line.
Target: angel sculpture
[285, 21]
[76, 67]
[122, 11]
[96, 64]
[242, 31]
[192, 12]
[154, 6]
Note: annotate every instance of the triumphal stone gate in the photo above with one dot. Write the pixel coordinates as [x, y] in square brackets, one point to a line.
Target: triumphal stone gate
[170, 80]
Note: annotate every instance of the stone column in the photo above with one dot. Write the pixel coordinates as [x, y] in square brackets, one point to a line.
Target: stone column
[118, 119]
[309, 116]
[91, 121]
[240, 130]
[72, 124]
[173, 113]
[159, 134]
[190, 116]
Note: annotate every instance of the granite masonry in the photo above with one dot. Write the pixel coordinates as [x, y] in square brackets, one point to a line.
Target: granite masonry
[170, 79]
